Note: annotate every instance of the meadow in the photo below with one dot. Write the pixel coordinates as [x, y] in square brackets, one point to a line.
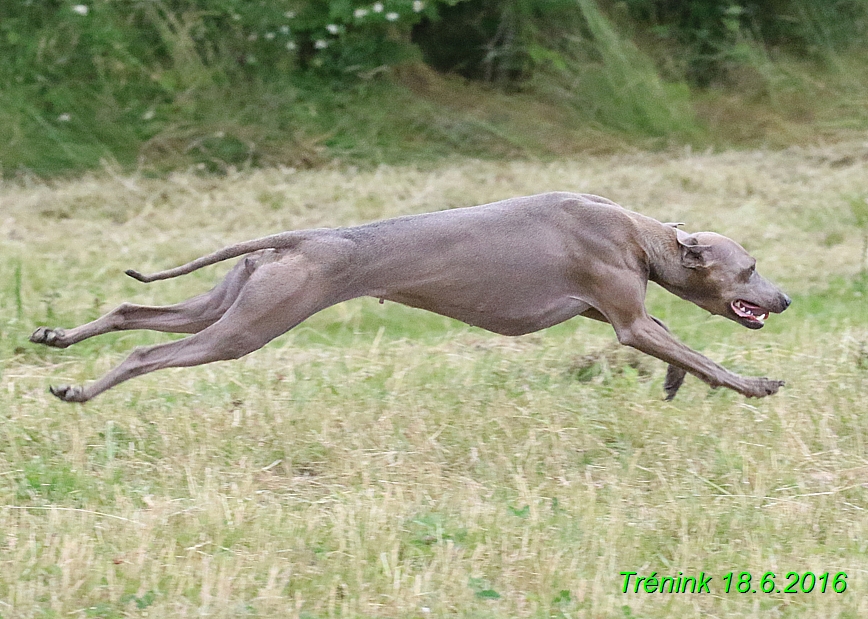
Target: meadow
[378, 461]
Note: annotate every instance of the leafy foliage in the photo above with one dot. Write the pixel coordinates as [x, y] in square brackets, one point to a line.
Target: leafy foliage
[712, 32]
[118, 79]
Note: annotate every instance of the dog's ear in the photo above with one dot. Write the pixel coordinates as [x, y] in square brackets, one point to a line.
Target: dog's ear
[693, 255]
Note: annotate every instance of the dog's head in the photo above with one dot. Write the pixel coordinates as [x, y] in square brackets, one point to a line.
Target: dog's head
[722, 279]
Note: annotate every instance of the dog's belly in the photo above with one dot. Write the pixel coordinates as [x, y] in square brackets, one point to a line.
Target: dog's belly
[511, 295]
[511, 269]
[510, 315]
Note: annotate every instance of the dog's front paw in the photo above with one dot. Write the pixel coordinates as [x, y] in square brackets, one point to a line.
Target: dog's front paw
[68, 393]
[49, 337]
[761, 387]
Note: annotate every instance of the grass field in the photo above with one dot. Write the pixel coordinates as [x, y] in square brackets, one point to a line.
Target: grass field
[378, 461]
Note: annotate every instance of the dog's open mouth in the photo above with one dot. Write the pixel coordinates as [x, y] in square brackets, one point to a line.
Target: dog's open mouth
[751, 315]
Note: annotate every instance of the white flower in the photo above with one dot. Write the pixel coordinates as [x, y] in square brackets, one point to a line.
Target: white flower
[236, 17]
[81, 9]
[64, 118]
[378, 7]
[284, 30]
[252, 37]
[418, 5]
[149, 115]
[392, 16]
[291, 45]
[269, 36]
[320, 44]
[289, 14]
[333, 28]
[360, 13]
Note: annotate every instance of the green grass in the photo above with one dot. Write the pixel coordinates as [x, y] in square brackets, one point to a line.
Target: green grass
[303, 123]
[215, 89]
[616, 86]
[378, 461]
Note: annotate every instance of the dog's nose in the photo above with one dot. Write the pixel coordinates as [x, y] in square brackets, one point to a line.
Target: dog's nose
[787, 301]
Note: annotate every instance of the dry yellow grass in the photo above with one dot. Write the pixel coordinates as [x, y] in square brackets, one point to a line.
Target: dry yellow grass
[380, 462]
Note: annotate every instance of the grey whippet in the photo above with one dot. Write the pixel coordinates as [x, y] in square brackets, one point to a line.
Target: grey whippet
[511, 267]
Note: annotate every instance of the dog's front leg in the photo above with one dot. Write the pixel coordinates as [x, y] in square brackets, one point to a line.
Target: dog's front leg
[652, 338]
[674, 374]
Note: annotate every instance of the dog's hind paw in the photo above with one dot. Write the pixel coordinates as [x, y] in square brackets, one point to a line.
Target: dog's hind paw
[49, 337]
[68, 393]
[674, 380]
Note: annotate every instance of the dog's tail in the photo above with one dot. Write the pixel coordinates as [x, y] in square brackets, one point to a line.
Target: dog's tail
[275, 241]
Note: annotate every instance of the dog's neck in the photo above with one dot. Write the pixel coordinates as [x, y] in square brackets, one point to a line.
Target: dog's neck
[663, 253]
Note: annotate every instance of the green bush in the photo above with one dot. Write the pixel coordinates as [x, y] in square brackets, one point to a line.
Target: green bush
[92, 80]
[219, 82]
[710, 32]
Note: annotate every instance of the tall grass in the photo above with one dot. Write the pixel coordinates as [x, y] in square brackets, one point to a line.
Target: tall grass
[609, 81]
[159, 85]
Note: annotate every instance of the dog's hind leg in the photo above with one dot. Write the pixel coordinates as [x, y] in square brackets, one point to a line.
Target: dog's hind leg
[674, 374]
[190, 316]
[276, 298]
